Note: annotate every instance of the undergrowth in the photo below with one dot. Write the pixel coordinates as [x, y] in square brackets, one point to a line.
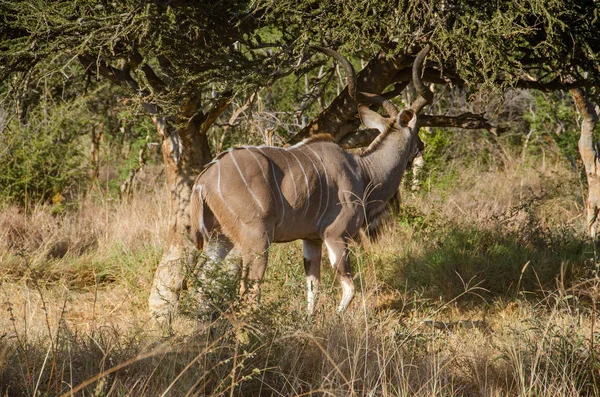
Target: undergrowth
[499, 256]
[482, 286]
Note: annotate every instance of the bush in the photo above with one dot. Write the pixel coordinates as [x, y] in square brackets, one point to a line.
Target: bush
[40, 160]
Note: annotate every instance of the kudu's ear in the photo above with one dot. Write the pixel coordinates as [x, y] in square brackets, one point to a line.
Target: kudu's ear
[371, 119]
[407, 118]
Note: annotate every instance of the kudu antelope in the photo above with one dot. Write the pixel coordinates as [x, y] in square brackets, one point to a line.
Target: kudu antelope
[253, 196]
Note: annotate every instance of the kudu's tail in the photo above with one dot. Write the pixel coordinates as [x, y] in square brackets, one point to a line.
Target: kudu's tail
[198, 212]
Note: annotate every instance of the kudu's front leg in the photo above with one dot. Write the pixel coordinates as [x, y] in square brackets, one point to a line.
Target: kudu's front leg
[312, 267]
[340, 261]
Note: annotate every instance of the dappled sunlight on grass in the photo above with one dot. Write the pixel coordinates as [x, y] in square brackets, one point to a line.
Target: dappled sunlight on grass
[502, 263]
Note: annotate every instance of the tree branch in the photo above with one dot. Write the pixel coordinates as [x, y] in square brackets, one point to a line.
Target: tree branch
[437, 76]
[470, 121]
[218, 107]
[553, 85]
[121, 77]
[397, 90]
[430, 75]
[466, 120]
[155, 82]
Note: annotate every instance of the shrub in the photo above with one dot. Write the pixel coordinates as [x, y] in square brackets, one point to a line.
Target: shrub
[41, 159]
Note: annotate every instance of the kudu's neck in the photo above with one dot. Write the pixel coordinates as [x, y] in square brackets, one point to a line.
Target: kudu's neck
[382, 166]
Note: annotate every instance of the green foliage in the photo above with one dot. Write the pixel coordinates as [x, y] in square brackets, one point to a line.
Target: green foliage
[553, 119]
[447, 152]
[123, 152]
[233, 45]
[489, 45]
[175, 58]
[438, 143]
[173, 51]
[41, 160]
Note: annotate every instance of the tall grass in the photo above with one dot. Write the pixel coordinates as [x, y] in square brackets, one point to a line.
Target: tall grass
[481, 287]
[102, 238]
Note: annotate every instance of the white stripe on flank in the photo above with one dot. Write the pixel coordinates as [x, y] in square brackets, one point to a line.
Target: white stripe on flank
[318, 176]
[289, 169]
[301, 143]
[220, 192]
[262, 171]
[307, 185]
[277, 185]
[245, 182]
[326, 184]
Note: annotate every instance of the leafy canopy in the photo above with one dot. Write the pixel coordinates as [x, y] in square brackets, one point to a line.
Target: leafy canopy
[539, 43]
[177, 49]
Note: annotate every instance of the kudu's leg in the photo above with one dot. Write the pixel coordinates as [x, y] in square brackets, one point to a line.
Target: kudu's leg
[214, 271]
[255, 257]
[312, 267]
[340, 261]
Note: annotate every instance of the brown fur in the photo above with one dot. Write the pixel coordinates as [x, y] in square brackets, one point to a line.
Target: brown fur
[267, 203]
[318, 138]
[227, 226]
[313, 191]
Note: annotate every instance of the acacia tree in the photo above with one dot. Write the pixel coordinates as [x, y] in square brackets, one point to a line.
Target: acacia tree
[181, 62]
[481, 46]
[478, 45]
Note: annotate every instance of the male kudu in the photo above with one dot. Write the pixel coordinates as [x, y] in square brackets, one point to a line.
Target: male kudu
[253, 196]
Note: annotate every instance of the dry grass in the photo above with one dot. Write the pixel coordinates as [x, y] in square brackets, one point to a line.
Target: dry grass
[75, 319]
[93, 243]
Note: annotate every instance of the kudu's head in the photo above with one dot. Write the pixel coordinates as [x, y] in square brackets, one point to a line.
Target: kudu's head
[402, 123]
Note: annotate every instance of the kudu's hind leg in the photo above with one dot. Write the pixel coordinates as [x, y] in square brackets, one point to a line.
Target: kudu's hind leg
[312, 267]
[337, 250]
[220, 248]
[254, 257]
[214, 271]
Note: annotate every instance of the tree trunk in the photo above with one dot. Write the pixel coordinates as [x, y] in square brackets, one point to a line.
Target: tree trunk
[95, 155]
[185, 150]
[589, 156]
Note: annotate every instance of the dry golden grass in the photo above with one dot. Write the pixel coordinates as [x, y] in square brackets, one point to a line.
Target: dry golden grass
[74, 319]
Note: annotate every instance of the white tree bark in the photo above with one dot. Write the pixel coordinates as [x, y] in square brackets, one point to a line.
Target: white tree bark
[589, 156]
